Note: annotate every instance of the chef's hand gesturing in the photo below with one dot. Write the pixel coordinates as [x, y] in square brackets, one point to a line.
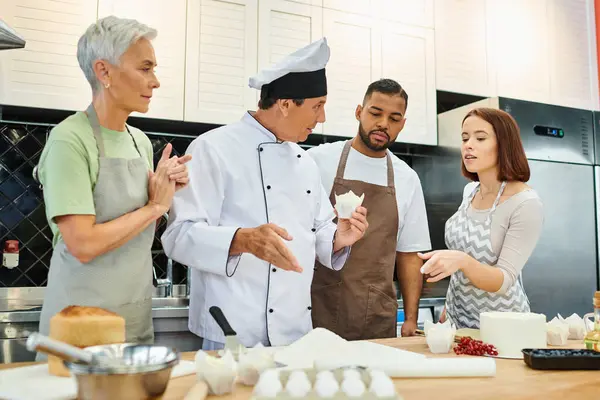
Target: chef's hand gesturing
[265, 242]
[350, 230]
[442, 263]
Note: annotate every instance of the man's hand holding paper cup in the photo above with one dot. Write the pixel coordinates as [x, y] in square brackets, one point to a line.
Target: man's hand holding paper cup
[352, 219]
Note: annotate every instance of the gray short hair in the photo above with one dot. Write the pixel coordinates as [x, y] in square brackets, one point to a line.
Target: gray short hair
[108, 39]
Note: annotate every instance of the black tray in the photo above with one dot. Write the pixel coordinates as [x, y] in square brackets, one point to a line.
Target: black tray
[562, 359]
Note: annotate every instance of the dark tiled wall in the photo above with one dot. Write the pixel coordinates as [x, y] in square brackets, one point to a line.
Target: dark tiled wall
[22, 215]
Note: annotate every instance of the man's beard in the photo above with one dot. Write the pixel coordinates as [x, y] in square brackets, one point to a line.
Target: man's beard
[367, 141]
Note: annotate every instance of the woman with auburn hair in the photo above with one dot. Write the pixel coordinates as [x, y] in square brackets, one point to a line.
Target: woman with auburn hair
[495, 229]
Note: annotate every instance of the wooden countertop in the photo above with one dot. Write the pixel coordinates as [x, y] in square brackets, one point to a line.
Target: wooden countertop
[513, 380]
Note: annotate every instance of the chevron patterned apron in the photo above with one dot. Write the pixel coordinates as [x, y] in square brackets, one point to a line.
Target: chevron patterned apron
[464, 301]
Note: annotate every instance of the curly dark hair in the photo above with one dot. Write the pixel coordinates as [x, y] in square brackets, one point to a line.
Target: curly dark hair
[386, 86]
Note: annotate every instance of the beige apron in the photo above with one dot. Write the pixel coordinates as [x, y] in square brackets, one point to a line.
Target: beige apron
[120, 280]
[359, 301]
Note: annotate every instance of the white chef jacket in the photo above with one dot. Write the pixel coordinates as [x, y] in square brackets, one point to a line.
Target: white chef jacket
[241, 177]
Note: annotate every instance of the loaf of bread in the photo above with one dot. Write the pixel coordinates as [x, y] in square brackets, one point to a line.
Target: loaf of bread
[83, 326]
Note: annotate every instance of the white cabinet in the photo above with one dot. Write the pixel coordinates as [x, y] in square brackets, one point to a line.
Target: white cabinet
[549, 54]
[309, 2]
[168, 18]
[221, 54]
[463, 48]
[573, 65]
[284, 27]
[361, 7]
[365, 49]
[522, 48]
[408, 56]
[410, 12]
[45, 73]
[536, 50]
[355, 62]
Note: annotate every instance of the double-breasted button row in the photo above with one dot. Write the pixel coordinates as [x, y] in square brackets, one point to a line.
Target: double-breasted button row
[308, 191]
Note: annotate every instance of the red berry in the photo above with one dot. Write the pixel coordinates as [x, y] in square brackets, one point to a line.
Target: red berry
[474, 347]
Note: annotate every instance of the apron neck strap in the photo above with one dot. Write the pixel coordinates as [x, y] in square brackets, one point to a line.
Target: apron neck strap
[390, 171]
[344, 159]
[498, 196]
[473, 192]
[477, 188]
[93, 118]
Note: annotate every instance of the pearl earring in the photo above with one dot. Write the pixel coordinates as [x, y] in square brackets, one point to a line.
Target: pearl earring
[107, 85]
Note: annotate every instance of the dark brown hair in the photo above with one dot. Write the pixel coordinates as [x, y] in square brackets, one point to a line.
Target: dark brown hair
[512, 162]
[266, 101]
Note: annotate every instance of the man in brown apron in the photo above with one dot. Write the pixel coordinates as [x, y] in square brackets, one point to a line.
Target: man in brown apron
[359, 302]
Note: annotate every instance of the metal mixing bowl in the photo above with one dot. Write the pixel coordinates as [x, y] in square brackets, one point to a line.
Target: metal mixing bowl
[144, 373]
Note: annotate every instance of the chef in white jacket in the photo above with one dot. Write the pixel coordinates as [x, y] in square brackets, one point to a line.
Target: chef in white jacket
[255, 216]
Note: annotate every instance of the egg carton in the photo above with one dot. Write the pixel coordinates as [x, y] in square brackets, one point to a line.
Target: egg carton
[339, 374]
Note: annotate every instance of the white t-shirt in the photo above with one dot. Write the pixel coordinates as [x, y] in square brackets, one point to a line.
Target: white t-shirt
[413, 229]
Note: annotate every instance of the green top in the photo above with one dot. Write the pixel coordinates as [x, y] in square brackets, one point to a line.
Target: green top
[68, 166]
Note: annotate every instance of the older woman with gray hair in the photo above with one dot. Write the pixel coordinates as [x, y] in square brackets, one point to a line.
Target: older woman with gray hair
[101, 194]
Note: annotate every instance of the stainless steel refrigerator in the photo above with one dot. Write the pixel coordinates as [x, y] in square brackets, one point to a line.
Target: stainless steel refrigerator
[562, 273]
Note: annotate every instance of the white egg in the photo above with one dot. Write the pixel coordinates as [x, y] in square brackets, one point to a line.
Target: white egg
[352, 374]
[326, 375]
[267, 388]
[353, 387]
[298, 374]
[298, 387]
[252, 364]
[326, 387]
[268, 384]
[270, 374]
[382, 387]
[377, 373]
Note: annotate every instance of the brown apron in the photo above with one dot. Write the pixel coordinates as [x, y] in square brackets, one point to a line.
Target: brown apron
[359, 301]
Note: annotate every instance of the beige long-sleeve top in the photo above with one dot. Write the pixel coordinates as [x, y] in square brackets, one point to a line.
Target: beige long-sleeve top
[516, 227]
